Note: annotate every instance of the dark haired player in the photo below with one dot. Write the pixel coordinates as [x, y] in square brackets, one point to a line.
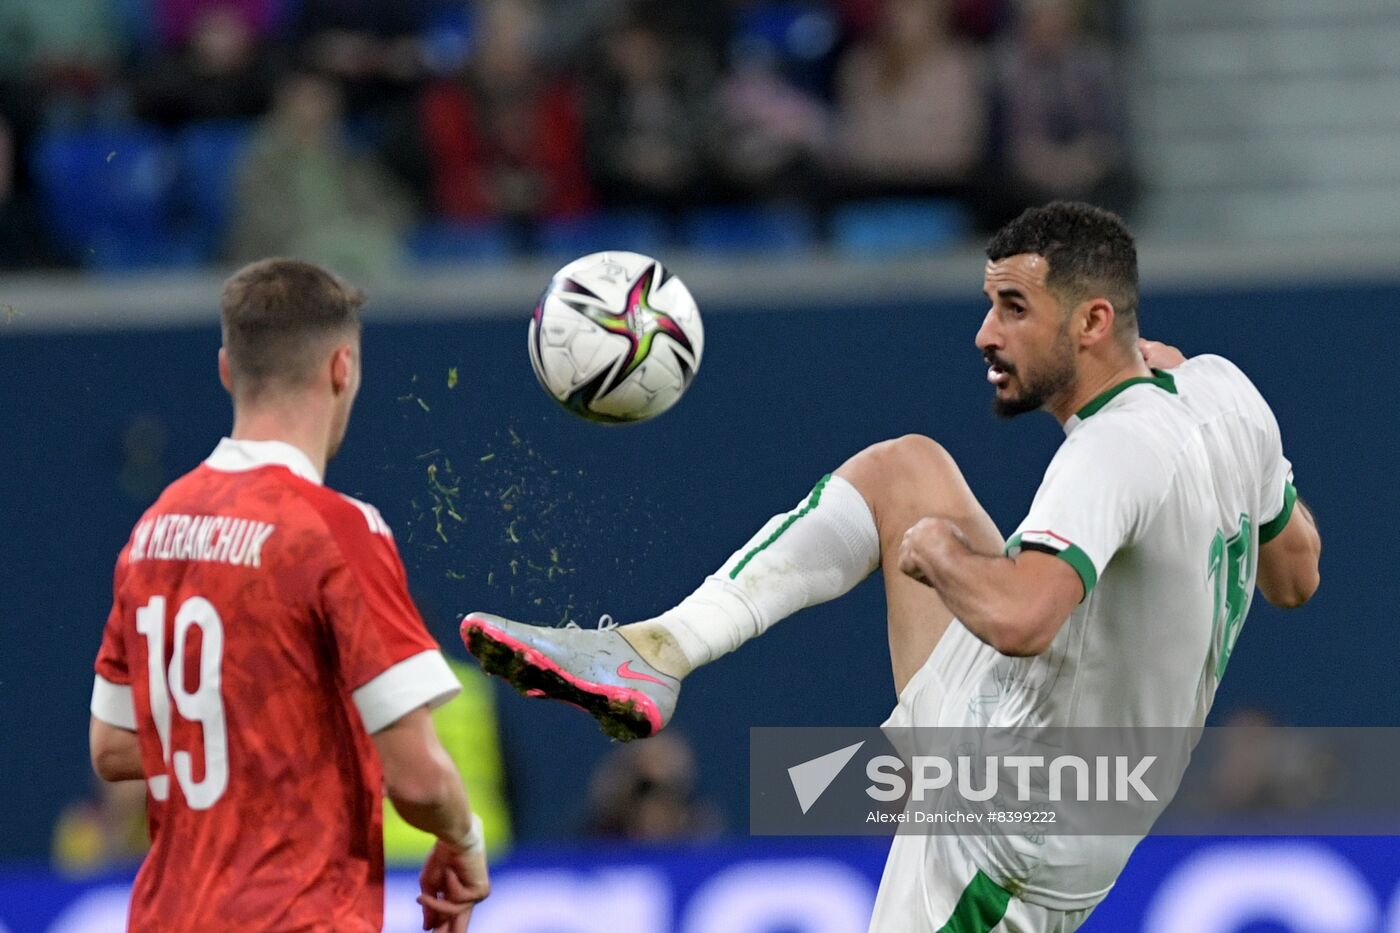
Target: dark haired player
[1116, 602]
[264, 668]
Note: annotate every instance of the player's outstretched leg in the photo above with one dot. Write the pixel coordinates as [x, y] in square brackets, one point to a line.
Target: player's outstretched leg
[850, 524]
[629, 677]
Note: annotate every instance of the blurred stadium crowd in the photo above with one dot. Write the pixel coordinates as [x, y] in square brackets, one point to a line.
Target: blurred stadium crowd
[370, 135]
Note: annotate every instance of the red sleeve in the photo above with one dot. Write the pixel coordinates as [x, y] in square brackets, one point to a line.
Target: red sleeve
[111, 689]
[386, 658]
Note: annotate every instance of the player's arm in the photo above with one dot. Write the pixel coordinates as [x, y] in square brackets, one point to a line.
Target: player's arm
[424, 786]
[396, 674]
[1016, 605]
[421, 779]
[116, 752]
[1098, 490]
[1288, 561]
[112, 743]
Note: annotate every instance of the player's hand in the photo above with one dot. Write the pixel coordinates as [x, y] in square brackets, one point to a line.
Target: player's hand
[924, 545]
[453, 881]
[1160, 355]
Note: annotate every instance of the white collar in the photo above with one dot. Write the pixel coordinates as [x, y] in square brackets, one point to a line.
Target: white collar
[233, 456]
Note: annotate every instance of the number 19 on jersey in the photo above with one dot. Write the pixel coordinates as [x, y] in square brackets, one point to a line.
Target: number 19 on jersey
[203, 705]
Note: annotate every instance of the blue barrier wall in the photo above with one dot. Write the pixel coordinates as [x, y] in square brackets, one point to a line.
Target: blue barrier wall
[1170, 886]
[627, 520]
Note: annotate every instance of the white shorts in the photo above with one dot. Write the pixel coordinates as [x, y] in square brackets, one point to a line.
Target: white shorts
[931, 884]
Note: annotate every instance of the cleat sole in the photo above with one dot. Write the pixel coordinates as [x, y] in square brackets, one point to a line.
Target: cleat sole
[621, 713]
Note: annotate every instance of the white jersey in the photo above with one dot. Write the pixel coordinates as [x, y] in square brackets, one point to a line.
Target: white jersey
[1159, 498]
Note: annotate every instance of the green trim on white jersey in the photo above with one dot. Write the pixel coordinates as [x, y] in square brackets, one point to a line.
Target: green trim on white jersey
[1274, 526]
[1051, 543]
[1159, 378]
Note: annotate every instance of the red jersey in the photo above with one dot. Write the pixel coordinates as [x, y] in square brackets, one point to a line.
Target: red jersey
[261, 630]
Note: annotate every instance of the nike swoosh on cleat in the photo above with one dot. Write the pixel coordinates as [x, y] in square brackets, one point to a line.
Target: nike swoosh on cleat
[625, 670]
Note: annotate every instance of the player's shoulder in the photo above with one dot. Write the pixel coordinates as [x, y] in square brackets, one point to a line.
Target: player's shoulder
[1111, 437]
[1209, 376]
[193, 483]
[358, 537]
[1134, 440]
[186, 488]
[346, 518]
[1211, 368]
[175, 497]
[1213, 385]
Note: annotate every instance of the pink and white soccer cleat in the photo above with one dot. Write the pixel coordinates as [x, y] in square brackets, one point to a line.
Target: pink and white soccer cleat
[596, 670]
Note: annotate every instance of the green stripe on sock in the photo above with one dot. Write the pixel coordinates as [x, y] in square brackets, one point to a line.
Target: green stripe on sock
[981, 907]
[807, 506]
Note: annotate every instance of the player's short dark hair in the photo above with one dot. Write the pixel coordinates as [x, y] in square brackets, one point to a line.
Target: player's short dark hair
[278, 315]
[1090, 251]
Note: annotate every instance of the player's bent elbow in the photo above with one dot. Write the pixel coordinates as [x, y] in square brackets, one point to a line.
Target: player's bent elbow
[1023, 637]
[1023, 647]
[1289, 563]
[1029, 622]
[415, 788]
[420, 787]
[1294, 592]
[115, 754]
[106, 765]
[417, 770]
[1288, 579]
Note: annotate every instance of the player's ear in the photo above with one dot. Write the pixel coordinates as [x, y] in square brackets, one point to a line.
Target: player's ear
[1096, 321]
[225, 374]
[342, 368]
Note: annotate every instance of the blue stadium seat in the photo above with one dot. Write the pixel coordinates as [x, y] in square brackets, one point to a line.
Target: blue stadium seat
[209, 157]
[798, 37]
[872, 229]
[445, 243]
[106, 197]
[784, 231]
[639, 231]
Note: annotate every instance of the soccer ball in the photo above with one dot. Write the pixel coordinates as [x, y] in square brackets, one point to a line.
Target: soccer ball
[616, 337]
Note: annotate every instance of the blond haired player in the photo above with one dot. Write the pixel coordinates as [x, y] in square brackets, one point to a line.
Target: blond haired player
[264, 668]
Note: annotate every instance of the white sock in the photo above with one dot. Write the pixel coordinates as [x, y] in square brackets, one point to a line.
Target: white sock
[813, 554]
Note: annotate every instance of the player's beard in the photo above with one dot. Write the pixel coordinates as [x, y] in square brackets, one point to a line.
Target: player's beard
[1041, 384]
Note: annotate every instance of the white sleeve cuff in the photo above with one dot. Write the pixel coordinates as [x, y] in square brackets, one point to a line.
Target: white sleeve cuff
[422, 678]
[112, 704]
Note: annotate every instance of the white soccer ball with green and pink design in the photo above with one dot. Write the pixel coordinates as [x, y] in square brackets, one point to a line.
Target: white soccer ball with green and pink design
[616, 337]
